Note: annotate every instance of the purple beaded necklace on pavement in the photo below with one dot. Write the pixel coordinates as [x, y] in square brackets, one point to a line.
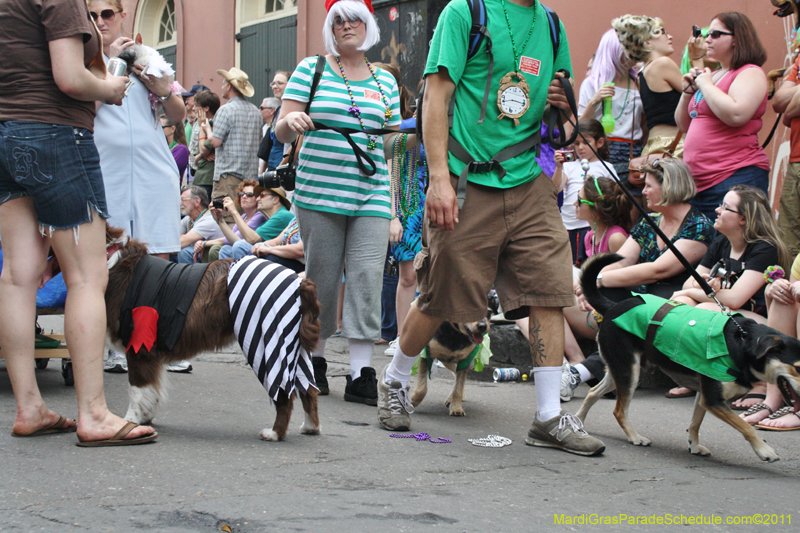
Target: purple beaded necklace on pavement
[356, 111]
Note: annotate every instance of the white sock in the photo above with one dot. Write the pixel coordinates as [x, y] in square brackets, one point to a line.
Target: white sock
[548, 391]
[360, 356]
[584, 372]
[400, 367]
[320, 351]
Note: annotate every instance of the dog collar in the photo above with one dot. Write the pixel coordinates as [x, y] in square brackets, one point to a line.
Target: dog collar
[464, 363]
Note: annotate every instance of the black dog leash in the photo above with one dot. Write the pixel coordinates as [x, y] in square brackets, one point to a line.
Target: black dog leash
[365, 163]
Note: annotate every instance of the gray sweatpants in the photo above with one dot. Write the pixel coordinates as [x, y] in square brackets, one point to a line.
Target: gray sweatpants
[330, 242]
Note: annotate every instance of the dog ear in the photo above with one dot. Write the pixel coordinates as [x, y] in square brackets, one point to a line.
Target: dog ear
[768, 343]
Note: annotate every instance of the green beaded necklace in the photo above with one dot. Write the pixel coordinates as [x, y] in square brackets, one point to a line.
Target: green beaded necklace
[510, 34]
[356, 111]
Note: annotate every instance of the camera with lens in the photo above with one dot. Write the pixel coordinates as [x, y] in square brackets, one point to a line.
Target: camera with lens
[696, 32]
[282, 176]
[217, 203]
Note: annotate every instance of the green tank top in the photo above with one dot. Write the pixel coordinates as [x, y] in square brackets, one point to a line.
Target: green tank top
[691, 337]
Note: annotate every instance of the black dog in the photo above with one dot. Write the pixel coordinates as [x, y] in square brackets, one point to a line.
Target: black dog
[759, 352]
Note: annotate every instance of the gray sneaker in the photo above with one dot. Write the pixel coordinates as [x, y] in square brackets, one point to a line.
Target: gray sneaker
[564, 432]
[116, 363]
[181, 367]
[570, 379]
[394, 405]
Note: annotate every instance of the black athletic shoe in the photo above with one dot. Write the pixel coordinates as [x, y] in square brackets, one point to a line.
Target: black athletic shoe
[363, 389]
[320, 367]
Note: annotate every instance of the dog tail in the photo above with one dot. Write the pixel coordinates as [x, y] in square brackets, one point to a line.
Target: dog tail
[589, 273]
[309, 309]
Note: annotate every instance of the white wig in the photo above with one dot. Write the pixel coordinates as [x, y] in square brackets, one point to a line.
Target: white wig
[350, 10]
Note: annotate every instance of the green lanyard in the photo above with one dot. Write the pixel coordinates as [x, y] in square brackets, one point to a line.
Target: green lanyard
[510, 34]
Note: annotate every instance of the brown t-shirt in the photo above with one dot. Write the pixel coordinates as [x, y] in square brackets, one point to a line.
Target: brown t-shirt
[28, 91]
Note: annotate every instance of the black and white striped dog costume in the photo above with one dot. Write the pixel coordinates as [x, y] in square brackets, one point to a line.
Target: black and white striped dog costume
[264, 300]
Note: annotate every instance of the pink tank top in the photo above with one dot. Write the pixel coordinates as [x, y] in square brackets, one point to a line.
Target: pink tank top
[713, 150]
[602, 246]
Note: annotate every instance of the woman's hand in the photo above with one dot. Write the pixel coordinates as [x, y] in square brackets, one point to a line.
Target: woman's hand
[228, 205]
[216, 214]
[715, 283]
[782, 291]
[605, 91]
[118, 45]
[559, 158]
[689, 86]
[299, 122]
[696, 48]
[584, 304]
[260, 249]
[395, 231]
[157, 86]
[703, 79]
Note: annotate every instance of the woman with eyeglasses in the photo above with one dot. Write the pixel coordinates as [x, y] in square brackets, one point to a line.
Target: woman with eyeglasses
[344, 215]
[140, 173]
[247, 197]
[52, 196]
[648, 266]
[176, 139]
[646, 41]
[748, 242]
[721, 113]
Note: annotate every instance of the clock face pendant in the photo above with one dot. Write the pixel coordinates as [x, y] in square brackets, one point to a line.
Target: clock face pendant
[512, 97]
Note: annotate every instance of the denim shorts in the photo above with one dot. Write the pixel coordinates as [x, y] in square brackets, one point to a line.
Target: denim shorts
[58, 166]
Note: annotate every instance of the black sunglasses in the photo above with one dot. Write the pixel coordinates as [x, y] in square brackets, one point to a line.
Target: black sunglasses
[106, 14]
[248, 194]
[716, 34]
[262, 108]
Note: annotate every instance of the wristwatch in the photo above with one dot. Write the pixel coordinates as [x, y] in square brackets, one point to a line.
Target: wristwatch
[600, 280]
[163, 99]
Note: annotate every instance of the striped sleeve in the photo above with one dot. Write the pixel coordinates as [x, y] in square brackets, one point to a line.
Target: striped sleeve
[299, 86]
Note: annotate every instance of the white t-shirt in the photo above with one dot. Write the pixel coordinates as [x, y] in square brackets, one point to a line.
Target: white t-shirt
[207, 227]
[575, 180]
[624, 104]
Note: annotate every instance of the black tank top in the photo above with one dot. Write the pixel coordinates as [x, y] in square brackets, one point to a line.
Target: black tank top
[659, 108]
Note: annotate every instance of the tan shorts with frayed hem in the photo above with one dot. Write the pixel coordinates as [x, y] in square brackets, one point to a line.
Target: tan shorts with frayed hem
[512, 239]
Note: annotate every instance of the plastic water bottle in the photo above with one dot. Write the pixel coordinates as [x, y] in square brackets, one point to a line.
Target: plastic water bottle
[608, 118]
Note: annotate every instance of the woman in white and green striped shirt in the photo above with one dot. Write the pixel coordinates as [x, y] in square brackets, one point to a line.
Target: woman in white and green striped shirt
[344, 215]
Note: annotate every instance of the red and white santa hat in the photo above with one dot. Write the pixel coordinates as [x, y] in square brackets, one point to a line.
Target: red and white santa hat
[329, 3]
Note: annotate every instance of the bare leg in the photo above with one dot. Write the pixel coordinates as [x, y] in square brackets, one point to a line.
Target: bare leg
[546, 336]
[406, 290]
[418, 329]
[25, 255]
[86, 275]
[576, 318]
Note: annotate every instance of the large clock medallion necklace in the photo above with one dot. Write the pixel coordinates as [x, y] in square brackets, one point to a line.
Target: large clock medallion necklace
[512, 96]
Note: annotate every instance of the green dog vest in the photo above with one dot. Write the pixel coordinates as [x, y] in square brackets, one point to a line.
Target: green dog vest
[691, 337]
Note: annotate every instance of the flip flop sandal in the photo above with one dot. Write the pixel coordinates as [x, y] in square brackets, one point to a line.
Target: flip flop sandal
[119, 439]
[757, 408]
[58, 427]
[750, 396]
[681, 395]
[778, 414]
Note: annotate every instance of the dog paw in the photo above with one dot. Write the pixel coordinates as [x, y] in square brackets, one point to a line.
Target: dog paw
[699, 449]
[457, 412]
[308, 430]
[766, 453]
[268, 435]
[416, 400]
[640, 441]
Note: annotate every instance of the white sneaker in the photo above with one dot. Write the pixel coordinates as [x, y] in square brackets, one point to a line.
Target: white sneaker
[116, 363]
[392, 347]
[570, 379]
[183, 367]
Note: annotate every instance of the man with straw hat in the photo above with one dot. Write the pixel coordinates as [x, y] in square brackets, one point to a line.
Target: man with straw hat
[236, 135]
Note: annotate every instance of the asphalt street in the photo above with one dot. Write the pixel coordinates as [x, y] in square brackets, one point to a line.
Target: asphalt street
[209, 469]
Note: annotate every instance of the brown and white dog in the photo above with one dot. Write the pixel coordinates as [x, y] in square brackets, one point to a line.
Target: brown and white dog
[451, 344]
[208, 326]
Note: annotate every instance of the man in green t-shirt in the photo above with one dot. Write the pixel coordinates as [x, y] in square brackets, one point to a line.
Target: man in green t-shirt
[508, 233]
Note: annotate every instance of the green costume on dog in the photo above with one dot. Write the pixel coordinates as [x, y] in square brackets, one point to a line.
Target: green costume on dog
[691, 337]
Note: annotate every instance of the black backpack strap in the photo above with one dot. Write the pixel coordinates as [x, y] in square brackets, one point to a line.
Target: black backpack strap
[555, 29]
[495, 163]
[314, 83]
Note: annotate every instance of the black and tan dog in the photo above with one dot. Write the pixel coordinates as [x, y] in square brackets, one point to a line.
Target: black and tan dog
[786, 8]
[454, 345]
[760, 353]
[208, 325]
